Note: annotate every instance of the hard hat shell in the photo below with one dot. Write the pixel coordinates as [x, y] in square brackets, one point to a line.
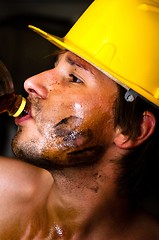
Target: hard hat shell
[121, 38]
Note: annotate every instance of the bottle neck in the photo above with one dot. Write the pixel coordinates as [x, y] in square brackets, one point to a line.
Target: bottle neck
[17, 105]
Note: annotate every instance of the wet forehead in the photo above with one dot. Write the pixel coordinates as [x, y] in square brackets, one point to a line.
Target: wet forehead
[75, 60]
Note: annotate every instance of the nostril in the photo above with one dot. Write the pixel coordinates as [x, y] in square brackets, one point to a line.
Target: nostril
[31, 90]
[38, 91]
[34, 86]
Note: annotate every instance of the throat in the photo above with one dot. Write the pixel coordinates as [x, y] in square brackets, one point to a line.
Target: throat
[80, 199]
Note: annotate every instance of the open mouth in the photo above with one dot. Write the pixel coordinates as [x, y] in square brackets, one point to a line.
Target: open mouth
[26, 114]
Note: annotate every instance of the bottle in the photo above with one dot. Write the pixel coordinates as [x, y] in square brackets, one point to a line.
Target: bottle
[10, 102]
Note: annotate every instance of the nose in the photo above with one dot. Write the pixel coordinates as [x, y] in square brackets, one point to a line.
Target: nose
[35, 86]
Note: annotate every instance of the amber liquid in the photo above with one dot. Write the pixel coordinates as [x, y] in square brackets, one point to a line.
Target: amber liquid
[10, 103]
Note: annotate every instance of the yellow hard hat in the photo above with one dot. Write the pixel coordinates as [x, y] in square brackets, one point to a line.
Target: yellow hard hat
[121, 38]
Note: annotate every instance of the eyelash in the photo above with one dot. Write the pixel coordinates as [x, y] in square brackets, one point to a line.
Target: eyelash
[75, 79]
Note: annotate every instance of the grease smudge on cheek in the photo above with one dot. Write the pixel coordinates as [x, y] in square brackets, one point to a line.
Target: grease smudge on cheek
[68, 130]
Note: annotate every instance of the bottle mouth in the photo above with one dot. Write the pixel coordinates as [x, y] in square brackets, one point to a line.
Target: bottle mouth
[21, 108]
[25, 109]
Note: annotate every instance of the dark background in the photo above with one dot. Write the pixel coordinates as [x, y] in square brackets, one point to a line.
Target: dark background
[23, 51]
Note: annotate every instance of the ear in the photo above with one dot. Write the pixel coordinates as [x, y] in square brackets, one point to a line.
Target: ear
[147, 127]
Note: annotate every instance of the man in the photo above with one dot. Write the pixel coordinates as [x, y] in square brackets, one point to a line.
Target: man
[93, 123]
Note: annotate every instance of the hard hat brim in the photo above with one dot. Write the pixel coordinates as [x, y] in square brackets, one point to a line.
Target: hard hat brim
[51, 38]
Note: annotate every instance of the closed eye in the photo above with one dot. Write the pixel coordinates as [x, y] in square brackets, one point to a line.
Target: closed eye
[75, 79]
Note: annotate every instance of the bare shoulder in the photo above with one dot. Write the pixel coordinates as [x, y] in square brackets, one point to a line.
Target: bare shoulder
[24, 190]
[21, 179]
[21, 182]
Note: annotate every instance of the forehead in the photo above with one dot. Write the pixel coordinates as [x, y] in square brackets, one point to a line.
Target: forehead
[73, 59]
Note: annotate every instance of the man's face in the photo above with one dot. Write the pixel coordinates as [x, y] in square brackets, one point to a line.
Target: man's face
[71, 116]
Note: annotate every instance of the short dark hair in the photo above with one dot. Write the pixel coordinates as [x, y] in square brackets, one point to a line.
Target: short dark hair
[140, 167]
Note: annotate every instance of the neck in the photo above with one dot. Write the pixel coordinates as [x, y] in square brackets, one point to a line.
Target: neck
[86, 198]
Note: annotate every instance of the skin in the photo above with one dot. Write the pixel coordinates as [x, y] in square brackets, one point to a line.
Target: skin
[24, 190]
[70, 131]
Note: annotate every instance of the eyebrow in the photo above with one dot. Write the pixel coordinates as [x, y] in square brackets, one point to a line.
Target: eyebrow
[77, 62]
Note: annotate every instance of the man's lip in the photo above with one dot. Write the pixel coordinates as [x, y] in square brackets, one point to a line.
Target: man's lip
[25, 115]
[21, 119]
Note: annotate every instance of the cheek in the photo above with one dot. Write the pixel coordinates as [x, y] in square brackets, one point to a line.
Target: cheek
[75, 114]
[100, 118]
[74, 140]
[65, 134]
[74, 125]
[84, 126]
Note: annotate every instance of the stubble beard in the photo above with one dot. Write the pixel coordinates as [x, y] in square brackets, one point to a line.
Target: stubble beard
[27, 152]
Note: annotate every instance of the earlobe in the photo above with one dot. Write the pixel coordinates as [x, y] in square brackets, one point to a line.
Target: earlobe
[147, 127]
